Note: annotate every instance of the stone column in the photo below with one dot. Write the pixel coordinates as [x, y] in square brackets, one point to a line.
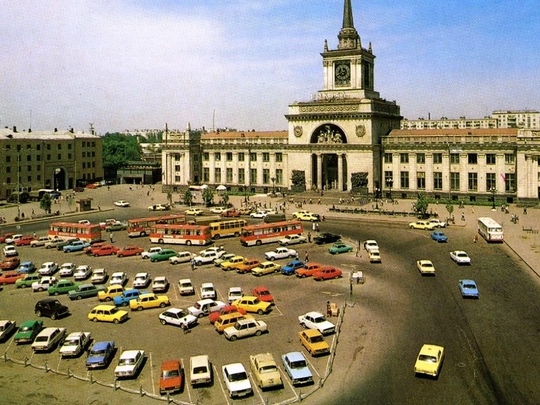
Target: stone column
[212, 168]
[340, 171]
[320, 184]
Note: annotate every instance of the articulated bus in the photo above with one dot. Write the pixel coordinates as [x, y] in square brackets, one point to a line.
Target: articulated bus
[142, 226]
[490, 230]
[268, 233]
[181, 234]
[87, 232]
[231, 227]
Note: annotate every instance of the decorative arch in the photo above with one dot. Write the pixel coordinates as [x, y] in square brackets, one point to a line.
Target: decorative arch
[328, 134]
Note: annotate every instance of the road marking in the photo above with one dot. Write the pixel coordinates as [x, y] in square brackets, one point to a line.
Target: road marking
[312, 366]
[216, 376]
[152, 375]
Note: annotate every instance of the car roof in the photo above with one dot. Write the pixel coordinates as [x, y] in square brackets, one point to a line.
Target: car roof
[314, 314]
[295, 356]
[104, 307]
[103, 344]
[234, 367]
[130, 353]
[201, 359]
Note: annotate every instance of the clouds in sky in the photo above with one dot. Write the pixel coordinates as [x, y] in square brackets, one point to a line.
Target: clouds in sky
[141, 64]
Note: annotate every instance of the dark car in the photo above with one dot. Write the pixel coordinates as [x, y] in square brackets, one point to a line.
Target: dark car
[326, 237]
[51, 308]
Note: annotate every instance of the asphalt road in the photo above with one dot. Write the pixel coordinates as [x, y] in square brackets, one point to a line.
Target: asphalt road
[491, 343]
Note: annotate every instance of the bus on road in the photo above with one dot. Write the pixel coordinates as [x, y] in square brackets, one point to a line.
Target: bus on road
[269, 233]
[65, 230]
[181, 234]
[141, 226]
[490, 230]
[232, 227]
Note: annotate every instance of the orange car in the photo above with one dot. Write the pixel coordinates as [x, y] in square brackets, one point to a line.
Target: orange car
[247, 265]
[129, 251]
[24, 241]
[105, 250]
[171, 377]
[308, 270]
[10, 277]
[10, 263]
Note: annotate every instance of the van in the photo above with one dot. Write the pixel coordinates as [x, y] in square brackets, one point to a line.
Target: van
[200, 370]
[274, 218]
[226, 320]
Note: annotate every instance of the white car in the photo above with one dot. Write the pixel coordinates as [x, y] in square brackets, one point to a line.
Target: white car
[193, 211]
[82, 272]
[371, 245]
[160, 284]
[280, 253]
[44, 283]
[158, 207]
[218, 210]
[121, 203]
[181, 257]
[6, 327]
[217, 249]
[48, 268]
[200, 370]
[75, 344]
[460, 257]
[99, 276]
[141, 280]
[316, 320]
[10, 250]
[245, 328]
[66, 269]
[438, 223]
[40, 241]
[236, 380]
[177, 317]
[118, 278]
[185, 286]
[129, 363]
[235, 293]
[147, 253]
[374, 256]
[208, 291]
[48, 338]
[204, 307]
[259, 214]
[292, 240]
[13, 238]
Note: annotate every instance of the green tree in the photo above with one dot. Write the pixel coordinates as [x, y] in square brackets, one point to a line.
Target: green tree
[45, 203]
[169, 198]
[225, 199]
[118, 149]
[188, 198]
[421, 205]
[208, 196]
[450, 209]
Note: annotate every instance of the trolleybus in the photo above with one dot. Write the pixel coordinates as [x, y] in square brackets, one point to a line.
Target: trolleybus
[181, 234]
[269, 233]
[141, 226]
[232, 227]
[87, 232]
[490, 230]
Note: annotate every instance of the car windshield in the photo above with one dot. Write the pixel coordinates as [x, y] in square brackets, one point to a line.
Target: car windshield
[268, 369]
[316, 339]
[238, 376]
[42, 338]
[200, 370]
[471, 286]
[170, 373]
[124, 362]
[26, 328]
[113, 311]
[98, 351]
[319, 319]
[298, 364]
[427, 358]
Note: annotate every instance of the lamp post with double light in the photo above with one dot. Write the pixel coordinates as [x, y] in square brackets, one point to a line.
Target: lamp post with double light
[389, 183]
[493, 190]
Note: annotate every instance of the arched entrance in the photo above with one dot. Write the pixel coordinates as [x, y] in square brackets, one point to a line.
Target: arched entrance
[328, 165]
[59, 178]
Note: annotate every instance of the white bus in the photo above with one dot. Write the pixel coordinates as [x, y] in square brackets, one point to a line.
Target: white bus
[490, 230]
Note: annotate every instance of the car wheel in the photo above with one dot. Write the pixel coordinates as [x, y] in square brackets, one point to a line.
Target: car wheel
[200, 315]
[163, 322]
[160, 241]
[139, 308]
[199, 263]
[258, 243]
[232, 338]
[216, 236]
[53, 317]
[260, 312]
[188, 243]
[152, 260]
[94, 319]
[79, 297]
[120, 255]
[163, 305]
[116, 321]
[40, 289]
[56, 293]
[258, 333]
[38, 314]
[143, 233]
[23, 286]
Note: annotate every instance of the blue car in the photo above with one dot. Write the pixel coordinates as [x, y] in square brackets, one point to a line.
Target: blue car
[439, 236]
[296, 367]
[128, 295]
[291, 267]
[468, 289]
[100, 354]
[27, 267]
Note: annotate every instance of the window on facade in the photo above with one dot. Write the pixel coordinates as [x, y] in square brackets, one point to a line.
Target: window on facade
[279, 157]
[490, 181]
[421, 180]
[8, 180]
[229, 157]
[206, 174]
[404, 179]
[228, 174]
[217, 174]
[490, 158]
[29, 179]
[84, 165]
[177, 156]
[69, 156]
[279, 176]
[217, 156]
[59, 156]
[241, 176]
[38, 147]
[177, 179]
[38, 158]
[8, 159]
[59, 146]
[28, 158]
[69, 146]
[253, 157]
[473, 181]
[8, 169]
[266, 176]
[388, 158]
[38, 168]
[176, 168]
[420, 158]
[404, 158]
[48, 157]
[83, 144]
[266, 157]
[241, 156]
[472, 158]
[93, 164]
[454, 158]
[38, 177]
[437, 181]
[93, 144]
[29, 168]
[388, 178]
[49, 146]
[253, 176]
[437, 158]
[510, 182]
[84, 154]
[509, 158]
[206, 156]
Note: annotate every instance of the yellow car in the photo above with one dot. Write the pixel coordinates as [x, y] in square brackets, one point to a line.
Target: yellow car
[150, 300]
[249, 303]
[429, 360]
[112, 291]
[194, 211]
[266, 268]
[232, 263]
[314, 342]
[107, 313]
[425, 267]
[308, 217]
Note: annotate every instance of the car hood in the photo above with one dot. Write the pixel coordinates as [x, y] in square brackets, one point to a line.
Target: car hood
[98, 358]
[300, 373]
[124, 368]
[170, 383]
[241, 385]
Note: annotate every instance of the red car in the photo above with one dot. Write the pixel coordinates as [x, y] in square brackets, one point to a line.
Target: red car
[171, 377]
[105, 250]
[263, 294]
[4, 236]
[308, 270]
[225, 310]
[10, 277]
[230, 213]
[24, 240]
[129, 251]
[10, 263]
[327, 273]
[90, 249]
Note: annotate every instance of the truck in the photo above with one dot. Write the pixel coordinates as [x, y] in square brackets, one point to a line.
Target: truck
[75, 344]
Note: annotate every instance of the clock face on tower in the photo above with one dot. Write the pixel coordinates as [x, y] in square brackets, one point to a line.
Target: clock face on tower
[342, 72]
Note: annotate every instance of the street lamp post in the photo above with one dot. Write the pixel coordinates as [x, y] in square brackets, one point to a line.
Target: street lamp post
[389, 183]
[19, 183]
[493, 191]
[377, 191]
[273, 179]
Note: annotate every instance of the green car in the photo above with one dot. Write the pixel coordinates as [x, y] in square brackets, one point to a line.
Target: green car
[164, 254]
[340, 247]
[28, 331]
[62, 287]
[85, 291]
[27, 280]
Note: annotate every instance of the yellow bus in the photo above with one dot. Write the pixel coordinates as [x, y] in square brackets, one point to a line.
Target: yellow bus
[231, 227]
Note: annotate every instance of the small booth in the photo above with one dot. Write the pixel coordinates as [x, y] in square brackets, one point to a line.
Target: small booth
[358, 277]
[84, 204]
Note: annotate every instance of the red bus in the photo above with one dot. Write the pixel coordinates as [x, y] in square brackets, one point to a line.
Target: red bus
[87, 232]
[181, 234]
[270, 232]
[142, 226]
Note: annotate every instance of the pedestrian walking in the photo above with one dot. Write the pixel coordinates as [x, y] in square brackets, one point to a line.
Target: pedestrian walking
[463, 216]
[111, 237]
[193, 265]
[34, 235]
[475, 238]
[309, 237]
[524, 210]
[328, 309]
[314, 227]
[350, 287]
[306, 257]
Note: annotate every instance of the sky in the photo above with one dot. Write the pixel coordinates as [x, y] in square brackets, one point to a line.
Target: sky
[239, 63]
